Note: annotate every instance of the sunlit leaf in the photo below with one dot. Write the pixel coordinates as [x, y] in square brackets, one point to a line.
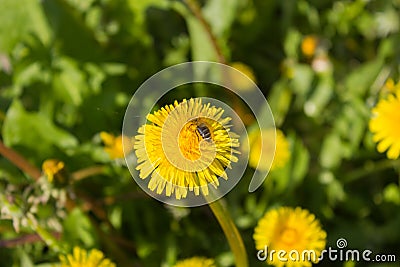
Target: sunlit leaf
[78, 228]
[70, 82]
[391, 193]
[331, 151]
[34, 131]
[220, 15]
[302, 80]
[360, 80]
[280, 101]
[15, 16]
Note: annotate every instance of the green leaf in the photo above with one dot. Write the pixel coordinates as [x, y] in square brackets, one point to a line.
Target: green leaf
[303, 77]
[24, 259]
[279, 101]
[293, 173]
[310, 12]
[18, 19]
[145, 249]
[320, 96]
[70, 82]
[391, 193]
[39, 21]
[78, 229]
[335, 192]
[115, 217]
[72, 36]
[11, 174]
[300, 160]
[34, 131]
[280, 178]
[202, 48]
[361, 79]
[331, 151]
[96, 76]
[220, 15]
[114, 69]
[13, 15]
[140, 7]
[30, 74]
[354, 125]
[292, 43]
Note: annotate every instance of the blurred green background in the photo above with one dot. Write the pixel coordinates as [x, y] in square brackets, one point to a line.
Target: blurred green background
[68, 69]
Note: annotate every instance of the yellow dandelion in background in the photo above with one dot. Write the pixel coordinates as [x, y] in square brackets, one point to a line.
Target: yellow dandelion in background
[390, 86]
[385, 125]
[309, 45]
[262, 151]
[295, 231]
[51, 168]
[114, 145]
[240, 82]
[185, 147]
[196, 262]
[82, 258]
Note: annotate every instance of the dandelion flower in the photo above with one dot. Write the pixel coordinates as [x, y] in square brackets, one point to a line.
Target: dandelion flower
[185, 147]
[52, 167]
[385, 125]
[196, 262]
[114, 145]
[295, 231]
[82, 258]
[262, 151]
[309, 45]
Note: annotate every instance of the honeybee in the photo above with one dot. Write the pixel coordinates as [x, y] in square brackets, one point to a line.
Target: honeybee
[204, 132]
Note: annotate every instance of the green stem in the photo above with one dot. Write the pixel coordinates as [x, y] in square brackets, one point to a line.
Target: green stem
[196, 10]
[231, 232]
[46, 236]
[25, 239]
[87, 172]
[375, 167]
[19, 161]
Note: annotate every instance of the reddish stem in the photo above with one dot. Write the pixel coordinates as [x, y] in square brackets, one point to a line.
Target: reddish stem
[19, 161]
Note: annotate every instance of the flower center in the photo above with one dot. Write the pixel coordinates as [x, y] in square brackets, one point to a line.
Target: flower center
[289, 236]
[189, 143]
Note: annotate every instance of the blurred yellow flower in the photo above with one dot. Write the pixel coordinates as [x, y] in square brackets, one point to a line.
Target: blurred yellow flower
[265, 156]
[114, 145]
[239, 82]
[287, 68]
[309, 45]
[390, 86]
[196, 262]
[186, 147]
[51, 168]
[83, 258]
[385, 125]
[290, 229]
